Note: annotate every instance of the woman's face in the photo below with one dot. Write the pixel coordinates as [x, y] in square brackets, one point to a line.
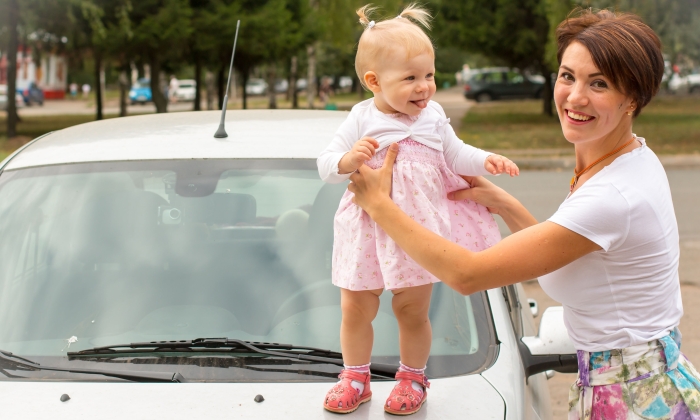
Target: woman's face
[588, 105]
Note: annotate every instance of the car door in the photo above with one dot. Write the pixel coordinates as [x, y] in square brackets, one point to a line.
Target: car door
[517, 86]
[537, 399]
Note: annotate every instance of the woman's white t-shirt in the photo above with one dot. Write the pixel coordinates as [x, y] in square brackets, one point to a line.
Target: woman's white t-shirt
[628, 293]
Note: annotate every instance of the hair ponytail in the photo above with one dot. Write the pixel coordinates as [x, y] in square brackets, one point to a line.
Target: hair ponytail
[416, 13]
[364, 12]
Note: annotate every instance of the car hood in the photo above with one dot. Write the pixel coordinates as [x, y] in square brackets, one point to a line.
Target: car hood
[470, 397]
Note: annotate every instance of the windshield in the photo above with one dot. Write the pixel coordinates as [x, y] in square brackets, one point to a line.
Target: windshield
[101, 254]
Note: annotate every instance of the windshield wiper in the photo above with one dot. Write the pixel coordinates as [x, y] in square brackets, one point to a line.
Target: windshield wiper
[26, 364]
[228, 345]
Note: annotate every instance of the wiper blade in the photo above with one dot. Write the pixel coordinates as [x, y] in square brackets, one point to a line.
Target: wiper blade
[8, 354]
[309, 354]
[127, 375]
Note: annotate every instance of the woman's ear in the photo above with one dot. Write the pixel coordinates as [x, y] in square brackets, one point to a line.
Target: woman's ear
[372, 82]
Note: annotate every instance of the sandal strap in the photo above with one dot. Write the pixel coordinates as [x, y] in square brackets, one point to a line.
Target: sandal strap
[354, 376]
[421, 379]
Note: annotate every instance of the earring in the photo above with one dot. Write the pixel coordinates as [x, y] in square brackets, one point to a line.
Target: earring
[629, 112]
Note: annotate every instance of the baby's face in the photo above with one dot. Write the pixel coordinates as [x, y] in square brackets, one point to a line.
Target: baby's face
[406, 85]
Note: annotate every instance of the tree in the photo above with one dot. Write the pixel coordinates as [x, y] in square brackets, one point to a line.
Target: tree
[12, 9]
[161, 28]
[515, 32]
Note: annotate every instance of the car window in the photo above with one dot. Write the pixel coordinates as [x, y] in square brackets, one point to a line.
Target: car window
[121, 252]
[491, 77]
[514, 78]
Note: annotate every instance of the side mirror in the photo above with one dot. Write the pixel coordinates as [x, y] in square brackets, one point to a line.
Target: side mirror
[551, 349]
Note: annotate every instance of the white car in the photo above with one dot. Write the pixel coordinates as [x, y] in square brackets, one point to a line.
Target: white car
[186, 90]
[256, 87]
[149, 270]
[19, 101]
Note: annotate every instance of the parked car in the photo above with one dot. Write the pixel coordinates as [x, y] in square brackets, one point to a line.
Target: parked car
[256, 87]
[140, 92]
[186, 90]
[19, 100]
[33, 94]
[490, 84]
[149, 270]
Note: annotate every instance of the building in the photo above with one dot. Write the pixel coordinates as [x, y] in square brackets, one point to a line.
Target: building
[51, 73]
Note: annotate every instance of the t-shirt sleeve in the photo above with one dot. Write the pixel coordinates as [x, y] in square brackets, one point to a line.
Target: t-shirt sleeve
[599, 213]
[342, 142]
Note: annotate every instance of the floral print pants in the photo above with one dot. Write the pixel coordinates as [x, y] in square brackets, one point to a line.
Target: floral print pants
[648, 381]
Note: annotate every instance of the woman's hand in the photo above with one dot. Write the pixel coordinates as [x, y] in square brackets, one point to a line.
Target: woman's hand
[372, 187]
[497, 201]
[483, 192]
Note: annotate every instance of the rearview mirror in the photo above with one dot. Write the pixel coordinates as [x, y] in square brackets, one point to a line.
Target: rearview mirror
[551, 348]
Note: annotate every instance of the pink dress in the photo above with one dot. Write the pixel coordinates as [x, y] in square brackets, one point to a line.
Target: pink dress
[366, 258]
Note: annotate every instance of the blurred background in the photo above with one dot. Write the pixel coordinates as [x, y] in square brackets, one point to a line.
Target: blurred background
[74, 61]
[66, 62]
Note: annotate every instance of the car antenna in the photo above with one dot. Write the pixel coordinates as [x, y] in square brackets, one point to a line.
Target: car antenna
[221, 131]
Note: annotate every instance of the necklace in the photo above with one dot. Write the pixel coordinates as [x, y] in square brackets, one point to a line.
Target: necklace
[576, 176]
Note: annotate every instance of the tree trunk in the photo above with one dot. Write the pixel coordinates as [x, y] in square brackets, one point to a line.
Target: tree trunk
[98, 84]
[123, 90]
[271, 94]
[197, 84]
[311, 75]
[293, 94]
[547, 91]
[220, 87]
[244, 80]
[209, 82]
[13, 19]
[159, 99]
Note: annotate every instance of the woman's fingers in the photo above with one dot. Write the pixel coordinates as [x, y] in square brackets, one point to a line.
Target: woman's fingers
[390, 158]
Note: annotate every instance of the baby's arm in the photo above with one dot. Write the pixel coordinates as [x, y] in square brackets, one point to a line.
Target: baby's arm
[464, 159]
[361, 151]
[345, 154]
[497, 164]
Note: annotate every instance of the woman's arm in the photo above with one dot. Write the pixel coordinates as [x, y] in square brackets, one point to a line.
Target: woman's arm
[497, 201]
[529, 253]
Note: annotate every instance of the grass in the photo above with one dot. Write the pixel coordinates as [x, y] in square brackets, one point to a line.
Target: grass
[671, 125]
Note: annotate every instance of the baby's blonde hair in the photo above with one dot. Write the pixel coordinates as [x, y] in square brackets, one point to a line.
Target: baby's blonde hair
[380, 37]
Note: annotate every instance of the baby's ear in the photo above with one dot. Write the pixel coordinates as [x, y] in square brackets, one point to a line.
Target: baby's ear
[372, 81]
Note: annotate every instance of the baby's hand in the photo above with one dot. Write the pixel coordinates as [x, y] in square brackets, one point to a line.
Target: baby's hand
[361, 151]
[497, 164]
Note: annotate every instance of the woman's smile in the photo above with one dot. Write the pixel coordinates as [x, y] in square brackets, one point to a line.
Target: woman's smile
[577, 117]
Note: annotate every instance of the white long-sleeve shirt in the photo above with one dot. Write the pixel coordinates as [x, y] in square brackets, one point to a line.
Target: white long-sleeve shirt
[431, 129]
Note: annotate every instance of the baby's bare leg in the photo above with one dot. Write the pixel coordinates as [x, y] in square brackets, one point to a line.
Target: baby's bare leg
[356, 334]
[411, 305]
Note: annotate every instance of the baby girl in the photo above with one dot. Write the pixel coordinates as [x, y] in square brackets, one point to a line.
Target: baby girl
[396, 61]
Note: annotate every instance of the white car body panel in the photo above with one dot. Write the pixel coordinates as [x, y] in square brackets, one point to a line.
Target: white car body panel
[187, 135]
[41, 400]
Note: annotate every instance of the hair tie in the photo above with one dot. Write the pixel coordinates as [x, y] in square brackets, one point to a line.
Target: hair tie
[370, 25]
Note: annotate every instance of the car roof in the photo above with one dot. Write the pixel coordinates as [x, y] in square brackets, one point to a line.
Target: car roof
[253, 134]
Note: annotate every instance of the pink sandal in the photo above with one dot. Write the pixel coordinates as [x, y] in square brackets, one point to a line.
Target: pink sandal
[343, 398]
[405, 400]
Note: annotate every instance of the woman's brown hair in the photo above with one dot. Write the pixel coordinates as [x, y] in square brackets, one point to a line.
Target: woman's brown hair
[622, 47]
